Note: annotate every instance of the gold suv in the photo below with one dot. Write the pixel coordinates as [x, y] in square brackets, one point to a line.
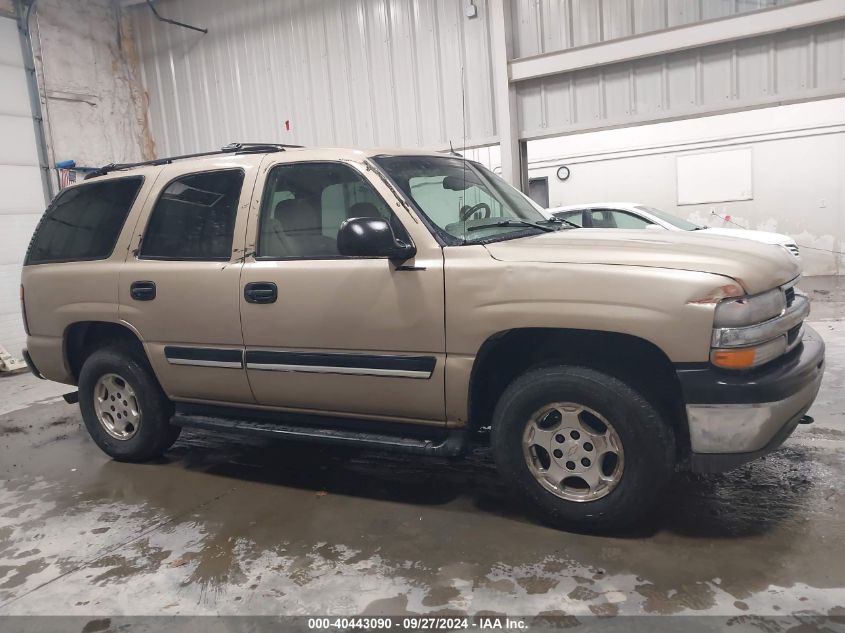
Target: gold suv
[403, 301]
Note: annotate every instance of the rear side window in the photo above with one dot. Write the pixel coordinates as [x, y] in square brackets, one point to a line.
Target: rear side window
[194, 219]
[83, 223]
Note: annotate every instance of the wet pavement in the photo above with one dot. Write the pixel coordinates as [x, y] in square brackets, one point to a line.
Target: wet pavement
[224, 526]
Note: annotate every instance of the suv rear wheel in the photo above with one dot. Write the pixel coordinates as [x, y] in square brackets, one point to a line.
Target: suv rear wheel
[123, 406]
[583, 447]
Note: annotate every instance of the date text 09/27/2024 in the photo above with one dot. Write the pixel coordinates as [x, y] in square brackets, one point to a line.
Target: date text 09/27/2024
[417, 623]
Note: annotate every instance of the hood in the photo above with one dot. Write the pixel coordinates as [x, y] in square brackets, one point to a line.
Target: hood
[756, 266]
[747, 234]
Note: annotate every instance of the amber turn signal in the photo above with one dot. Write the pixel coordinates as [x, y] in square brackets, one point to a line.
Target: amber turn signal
[733, 358]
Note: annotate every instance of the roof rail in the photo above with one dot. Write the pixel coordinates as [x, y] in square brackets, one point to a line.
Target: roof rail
[231, 148]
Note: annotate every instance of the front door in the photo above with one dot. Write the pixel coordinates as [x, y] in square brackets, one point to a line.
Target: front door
[337, 335]
[180, 284]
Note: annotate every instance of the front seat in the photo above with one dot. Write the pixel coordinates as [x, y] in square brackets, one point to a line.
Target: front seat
[302, 230]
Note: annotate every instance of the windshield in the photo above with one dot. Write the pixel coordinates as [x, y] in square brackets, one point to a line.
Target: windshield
[466, 202]
[671, 219]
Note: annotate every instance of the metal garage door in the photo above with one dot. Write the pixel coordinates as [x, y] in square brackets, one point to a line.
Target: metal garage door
[22, 197]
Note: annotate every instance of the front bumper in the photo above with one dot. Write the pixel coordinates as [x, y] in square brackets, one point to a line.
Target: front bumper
[736, 417]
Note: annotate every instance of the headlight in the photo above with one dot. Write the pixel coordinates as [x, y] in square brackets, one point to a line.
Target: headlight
[743, 311]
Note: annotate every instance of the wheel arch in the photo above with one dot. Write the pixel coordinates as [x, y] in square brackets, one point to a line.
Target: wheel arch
[634, 360]
[82, 338]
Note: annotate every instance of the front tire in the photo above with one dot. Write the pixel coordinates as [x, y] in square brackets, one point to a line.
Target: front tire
[124, 409]
[582, 447]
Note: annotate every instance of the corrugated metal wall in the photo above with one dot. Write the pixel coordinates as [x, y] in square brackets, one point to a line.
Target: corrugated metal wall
[790, 66]
[544, 26]
[342, 72]
[388, 72]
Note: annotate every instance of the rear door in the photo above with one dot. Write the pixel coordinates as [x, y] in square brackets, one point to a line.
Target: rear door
[179, 287]
[340, 336]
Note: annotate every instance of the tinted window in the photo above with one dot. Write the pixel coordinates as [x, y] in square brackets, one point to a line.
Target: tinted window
[83, 222]
[195, 217]
[305, 204]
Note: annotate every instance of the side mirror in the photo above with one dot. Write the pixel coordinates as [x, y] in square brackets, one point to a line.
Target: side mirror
[372, 237]
[654, 227]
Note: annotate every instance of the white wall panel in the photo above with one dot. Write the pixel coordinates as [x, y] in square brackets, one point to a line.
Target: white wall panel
[22, 200]
[791, 66]
[715, 176]
[341, 72]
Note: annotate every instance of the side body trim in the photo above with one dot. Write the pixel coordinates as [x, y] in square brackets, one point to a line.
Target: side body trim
[204, 357]
[305, 362]
[349, 364]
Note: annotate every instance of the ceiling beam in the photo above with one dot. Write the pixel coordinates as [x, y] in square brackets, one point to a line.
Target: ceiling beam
[679, 38]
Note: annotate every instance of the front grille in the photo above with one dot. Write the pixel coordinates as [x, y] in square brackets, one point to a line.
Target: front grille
[793, 248]
[790, 296]
[792, 334]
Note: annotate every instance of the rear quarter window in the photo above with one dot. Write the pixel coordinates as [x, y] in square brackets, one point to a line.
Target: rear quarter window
[83, 223]
[194, 218]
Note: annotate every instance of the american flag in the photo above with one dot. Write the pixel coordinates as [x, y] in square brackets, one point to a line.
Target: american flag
[66, 177]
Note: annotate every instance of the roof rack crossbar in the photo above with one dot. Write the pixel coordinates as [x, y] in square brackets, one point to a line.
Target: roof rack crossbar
[231, 148]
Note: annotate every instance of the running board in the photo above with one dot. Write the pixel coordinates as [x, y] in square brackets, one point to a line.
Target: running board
[446, 444]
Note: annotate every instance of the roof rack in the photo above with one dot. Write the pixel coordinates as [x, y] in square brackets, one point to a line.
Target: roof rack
[231, 148]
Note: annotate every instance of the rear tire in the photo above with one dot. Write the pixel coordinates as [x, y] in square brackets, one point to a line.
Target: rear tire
[124, 408]
[581, 447]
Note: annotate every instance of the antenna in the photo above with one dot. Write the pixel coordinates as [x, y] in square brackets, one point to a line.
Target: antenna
[464, 153]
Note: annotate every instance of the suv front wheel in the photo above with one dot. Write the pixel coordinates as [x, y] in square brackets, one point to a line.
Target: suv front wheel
[581, 446]
[123, 406]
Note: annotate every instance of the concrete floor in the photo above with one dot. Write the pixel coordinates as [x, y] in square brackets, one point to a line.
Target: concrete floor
[225, 527]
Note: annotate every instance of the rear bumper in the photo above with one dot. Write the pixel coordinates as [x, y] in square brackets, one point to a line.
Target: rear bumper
[737, 417]
[47, 355]
[31, 364]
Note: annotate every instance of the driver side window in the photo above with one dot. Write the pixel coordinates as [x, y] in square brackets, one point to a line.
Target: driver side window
[305, 204]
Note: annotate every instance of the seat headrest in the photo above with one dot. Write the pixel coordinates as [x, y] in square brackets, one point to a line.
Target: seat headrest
[297, 216]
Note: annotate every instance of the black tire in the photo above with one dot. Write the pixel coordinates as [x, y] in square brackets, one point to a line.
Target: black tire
[647, 442]
[154, 434]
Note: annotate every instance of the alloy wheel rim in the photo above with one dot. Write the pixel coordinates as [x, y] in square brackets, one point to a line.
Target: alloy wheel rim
[116, 406]
[573, 451]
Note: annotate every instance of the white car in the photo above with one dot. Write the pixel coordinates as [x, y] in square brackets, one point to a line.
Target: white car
[630, 215]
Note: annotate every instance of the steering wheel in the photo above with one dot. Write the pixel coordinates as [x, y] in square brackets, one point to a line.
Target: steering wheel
[466, 212]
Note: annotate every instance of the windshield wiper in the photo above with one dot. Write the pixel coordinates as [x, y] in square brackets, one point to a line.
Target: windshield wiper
[479, 227]
[556, 220]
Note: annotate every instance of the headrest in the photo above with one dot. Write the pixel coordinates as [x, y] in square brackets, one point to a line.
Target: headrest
[297, 216]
